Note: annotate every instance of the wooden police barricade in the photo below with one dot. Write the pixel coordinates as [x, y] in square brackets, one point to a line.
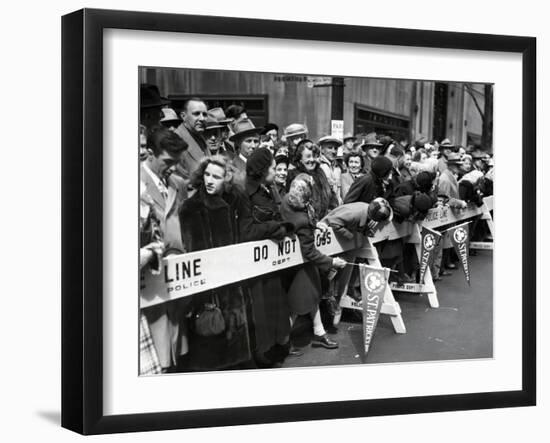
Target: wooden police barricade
[487, 208]
[437, 217]
[390, 306]
[194, 272]
[428, 287]
[188, 274]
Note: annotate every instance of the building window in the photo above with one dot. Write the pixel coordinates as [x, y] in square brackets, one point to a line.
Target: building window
[369, 119]
[256, 105]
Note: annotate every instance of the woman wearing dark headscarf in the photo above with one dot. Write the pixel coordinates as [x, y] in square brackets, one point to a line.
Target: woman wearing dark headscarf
[268, 299]
[376, 183]
[305, 290]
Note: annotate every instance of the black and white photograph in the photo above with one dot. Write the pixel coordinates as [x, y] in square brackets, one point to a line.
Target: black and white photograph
[298, 220]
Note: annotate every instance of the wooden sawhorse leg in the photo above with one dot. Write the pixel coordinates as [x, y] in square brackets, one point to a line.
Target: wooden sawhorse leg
[390, 306]
[428, 288]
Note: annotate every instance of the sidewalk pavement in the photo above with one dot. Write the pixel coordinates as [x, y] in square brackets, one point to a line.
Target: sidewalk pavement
[461, 328]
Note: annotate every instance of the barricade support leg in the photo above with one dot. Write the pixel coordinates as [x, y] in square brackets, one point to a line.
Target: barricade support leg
[390, 306]
[428, 287]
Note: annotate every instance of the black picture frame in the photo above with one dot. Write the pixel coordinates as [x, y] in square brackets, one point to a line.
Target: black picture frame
[82, 220]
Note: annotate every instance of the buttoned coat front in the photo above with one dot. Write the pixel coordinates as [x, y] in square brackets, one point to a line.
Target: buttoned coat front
[165, 320]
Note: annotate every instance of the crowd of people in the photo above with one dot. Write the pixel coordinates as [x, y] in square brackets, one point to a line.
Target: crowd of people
[211, 178]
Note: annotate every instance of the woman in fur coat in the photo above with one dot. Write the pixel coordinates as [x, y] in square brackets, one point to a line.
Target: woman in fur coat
[218, 214]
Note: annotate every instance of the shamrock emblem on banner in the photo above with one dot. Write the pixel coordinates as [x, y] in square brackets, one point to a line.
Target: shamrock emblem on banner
[374, 282]
[460, 235]
[429, 242]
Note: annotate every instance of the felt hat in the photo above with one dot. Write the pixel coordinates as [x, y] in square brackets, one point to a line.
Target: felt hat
[219, 115]
[295, 129]
[170, 117]
[446, 144]
[212, 123]
[243, 128]
[371, 140]
[454, 159]
[149, 96]
[349, 136]
[329, 139]
[478, 154]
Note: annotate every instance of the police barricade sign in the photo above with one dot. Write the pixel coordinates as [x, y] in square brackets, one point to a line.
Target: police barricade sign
[194, 272]
[459, 238]
[373, 286]
[429, 239]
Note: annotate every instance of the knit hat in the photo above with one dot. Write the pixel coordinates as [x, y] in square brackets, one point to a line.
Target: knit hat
[422, 202]
[259, 161]
[281, 158]
[424, 180]
[381, 166]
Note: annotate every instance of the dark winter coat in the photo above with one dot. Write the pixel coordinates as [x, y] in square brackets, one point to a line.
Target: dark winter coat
[324, 199]
[268, 299]
[305, 290]
[367, 188]
[409, 187]
[210, 222]
[347, 180]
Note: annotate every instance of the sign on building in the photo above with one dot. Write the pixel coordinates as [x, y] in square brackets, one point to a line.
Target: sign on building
[337, 128]
[313, 82]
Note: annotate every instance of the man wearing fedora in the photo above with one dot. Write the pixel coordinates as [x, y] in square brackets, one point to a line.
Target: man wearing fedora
[226, 146]
[150, 105]
[170, 119]
[349, 143]
[213, 135]
[448, 191]
[446, 149]
[371, 147]
[329, 165]
[191, 130]
[293, 135]
[246, 139]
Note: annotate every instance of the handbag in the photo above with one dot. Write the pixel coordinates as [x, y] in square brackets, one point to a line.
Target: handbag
[209, 321]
